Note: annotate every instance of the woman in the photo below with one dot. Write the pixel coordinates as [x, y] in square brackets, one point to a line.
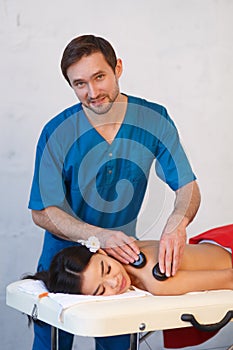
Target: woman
[80, 270]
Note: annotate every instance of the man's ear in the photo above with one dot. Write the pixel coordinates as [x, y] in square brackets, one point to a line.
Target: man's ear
[118, 68]
[101, 251]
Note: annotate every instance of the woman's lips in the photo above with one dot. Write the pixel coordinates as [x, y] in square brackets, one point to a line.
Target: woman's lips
[123, 285]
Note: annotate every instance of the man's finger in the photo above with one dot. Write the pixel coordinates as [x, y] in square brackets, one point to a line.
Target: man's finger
[122, 246]
[177, 255]
[132, 244]
[127, 244]
[119, 255]
[162, 257]
[168, 261]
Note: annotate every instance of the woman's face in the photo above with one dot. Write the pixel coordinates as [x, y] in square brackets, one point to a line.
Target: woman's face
[104, 276]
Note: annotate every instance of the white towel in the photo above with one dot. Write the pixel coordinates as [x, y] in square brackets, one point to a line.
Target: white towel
[65, 301]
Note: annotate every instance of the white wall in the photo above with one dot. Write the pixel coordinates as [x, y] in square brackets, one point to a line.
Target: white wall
[176, 52]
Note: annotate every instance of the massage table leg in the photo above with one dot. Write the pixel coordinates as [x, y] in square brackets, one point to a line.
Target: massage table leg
[134, 341]
[54, 338]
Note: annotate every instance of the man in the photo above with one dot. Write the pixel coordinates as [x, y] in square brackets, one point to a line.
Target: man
[92, 166]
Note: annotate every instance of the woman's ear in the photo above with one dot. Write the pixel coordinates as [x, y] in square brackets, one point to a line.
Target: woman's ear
[101, 251]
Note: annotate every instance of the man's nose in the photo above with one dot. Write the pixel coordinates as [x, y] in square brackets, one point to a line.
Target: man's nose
[92, 90]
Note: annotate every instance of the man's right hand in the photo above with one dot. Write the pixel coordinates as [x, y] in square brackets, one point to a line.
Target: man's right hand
[63, 225]
[118, 245]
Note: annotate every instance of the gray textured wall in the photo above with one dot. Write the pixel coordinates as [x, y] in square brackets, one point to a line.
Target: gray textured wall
[176, 52]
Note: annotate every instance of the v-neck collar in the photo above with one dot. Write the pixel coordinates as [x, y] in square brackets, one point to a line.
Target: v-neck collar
[118, 131]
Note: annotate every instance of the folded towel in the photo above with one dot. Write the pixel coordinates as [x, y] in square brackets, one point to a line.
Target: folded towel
[65, 301]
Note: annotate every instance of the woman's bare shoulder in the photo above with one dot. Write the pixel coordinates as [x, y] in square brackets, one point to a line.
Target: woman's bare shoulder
[150, 248]
[147, 244]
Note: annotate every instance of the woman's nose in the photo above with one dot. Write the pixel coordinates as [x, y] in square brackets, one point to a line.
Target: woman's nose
[111, 282]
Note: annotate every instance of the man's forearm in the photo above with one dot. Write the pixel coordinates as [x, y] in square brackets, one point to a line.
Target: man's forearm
[186, 205]
[187, 201]
[62, 224]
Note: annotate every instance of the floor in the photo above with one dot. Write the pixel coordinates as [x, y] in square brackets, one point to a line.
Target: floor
[222, 341]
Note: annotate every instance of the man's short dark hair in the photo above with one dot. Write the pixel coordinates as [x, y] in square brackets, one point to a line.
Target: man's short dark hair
[85, 45]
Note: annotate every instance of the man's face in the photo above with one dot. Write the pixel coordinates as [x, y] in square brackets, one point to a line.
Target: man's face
[94, 82]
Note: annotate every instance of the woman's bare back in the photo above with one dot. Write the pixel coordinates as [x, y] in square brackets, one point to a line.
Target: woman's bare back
[203, 267]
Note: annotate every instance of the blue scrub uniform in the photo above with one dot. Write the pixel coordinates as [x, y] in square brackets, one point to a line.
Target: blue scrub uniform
[103, 184]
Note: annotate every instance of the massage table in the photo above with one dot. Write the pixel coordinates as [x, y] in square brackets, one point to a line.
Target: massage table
[210, 310]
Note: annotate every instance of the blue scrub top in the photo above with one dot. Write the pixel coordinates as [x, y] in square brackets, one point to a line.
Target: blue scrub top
[104, 184]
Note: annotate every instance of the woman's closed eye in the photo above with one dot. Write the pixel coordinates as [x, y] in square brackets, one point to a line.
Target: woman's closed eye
[102, 292]
[108, 270]
[105, 270]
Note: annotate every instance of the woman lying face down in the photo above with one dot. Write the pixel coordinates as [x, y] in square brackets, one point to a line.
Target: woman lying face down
[76, 270]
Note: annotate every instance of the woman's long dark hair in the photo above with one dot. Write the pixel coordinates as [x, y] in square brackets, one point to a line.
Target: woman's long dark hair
[64, 274]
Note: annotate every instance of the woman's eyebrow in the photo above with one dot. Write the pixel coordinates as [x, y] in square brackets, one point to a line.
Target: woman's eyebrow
[102, 273]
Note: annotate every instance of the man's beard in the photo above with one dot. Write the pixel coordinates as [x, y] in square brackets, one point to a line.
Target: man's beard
[106, 106]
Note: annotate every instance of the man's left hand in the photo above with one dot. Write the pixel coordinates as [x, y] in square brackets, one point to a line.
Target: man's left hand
[172, 245]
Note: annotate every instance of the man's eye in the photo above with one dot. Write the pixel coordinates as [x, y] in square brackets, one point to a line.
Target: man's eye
[108, 269]
[79, 84]
[100, 77]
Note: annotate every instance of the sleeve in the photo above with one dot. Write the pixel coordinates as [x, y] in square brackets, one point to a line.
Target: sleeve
[172, 165]
[48, 187]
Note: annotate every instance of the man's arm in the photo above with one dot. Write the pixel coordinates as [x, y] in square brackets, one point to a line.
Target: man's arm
[173, 238]
[65, 226]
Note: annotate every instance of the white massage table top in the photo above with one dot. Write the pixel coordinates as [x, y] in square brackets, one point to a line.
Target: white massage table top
[113, 317]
